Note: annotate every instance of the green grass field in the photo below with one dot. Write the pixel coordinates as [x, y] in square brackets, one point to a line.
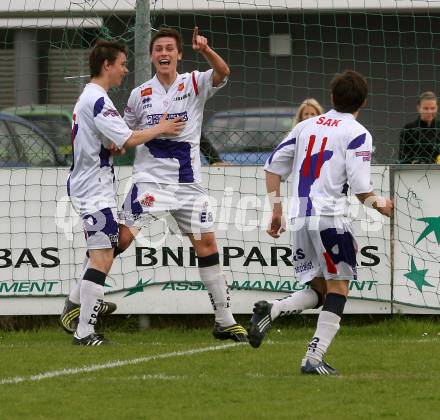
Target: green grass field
[389, 369]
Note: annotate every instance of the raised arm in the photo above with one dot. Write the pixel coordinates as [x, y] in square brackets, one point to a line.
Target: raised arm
[221, 69]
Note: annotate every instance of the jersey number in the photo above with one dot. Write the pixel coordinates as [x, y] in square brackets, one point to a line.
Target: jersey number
[308, 159]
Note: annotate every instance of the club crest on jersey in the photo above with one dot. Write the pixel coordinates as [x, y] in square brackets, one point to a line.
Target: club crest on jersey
[147, 91]
[148, 200]
[181, 87]
[166, 103]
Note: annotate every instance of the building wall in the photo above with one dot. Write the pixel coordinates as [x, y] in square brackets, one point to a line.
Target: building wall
[398, 53]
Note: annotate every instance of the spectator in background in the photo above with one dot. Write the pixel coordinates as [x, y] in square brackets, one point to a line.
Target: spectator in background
[310, 107]
[420, 139]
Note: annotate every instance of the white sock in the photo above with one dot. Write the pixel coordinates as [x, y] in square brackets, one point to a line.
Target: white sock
[74, 295]
[92, 295]
[295, 303]
[328, 326]
[214, 281]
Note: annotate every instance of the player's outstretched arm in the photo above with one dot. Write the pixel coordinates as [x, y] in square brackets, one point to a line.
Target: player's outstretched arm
[277, 224]
[383, 205]
[165, 127]
[221, 69]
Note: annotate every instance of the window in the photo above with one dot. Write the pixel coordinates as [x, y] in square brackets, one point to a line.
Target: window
[34, 150]
[8, 152]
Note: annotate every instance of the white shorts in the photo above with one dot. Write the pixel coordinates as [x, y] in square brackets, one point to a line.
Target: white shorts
[187, 203]
[323, 246]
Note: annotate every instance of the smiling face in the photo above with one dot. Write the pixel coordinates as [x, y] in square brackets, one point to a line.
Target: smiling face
[427, 110]
[117, 70]
[165, 56]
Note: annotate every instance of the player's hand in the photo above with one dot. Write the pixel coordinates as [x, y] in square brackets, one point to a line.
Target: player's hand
[115, 151]
[385, 208]
[277, 225]
[199, 42]
[171, 127]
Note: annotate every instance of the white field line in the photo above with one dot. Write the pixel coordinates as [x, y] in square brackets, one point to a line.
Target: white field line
[111, 365]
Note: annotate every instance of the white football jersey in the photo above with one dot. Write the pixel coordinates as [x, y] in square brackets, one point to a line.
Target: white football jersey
[325, 155]
[170, 160]
[96, 124]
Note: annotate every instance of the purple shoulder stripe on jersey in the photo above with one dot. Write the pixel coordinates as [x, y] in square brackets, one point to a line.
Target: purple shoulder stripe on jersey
[181, 151]
[280, 146]
[344, 189]
[103, 221]
[345, 248]
[99, 105]
[357, 142]
[104, 157]
[305, 182]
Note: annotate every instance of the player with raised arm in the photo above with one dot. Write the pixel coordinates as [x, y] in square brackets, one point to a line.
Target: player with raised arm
[326, 155]
[98, 128]
[166, 172]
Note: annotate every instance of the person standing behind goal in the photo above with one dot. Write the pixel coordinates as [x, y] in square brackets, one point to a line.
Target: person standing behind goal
[166, 172]
[325, 155]
[98, 128]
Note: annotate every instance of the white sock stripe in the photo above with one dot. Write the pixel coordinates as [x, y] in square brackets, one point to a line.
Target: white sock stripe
[111, 365]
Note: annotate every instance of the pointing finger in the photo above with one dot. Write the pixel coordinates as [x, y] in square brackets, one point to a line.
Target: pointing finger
[195, 34]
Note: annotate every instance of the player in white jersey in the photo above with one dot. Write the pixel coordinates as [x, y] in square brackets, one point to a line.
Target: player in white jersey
[97, 130]
[166, 172]
[325, 155]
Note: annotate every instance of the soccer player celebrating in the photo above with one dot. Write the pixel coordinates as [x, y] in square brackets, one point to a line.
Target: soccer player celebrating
[97, 128]
[325, 154]
[166, 172]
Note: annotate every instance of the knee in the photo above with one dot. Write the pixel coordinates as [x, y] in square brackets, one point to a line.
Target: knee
[206, 245]
[125, 238]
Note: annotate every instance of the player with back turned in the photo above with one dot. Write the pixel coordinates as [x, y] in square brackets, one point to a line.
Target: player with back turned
[326, 155]
[166, 172]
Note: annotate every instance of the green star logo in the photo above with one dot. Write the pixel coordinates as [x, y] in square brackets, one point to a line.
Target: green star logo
[417, 276]
[138, 288]
[433, 226]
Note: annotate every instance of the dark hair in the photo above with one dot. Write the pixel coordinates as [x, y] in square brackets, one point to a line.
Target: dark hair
[349, 90]
[427, 96]
[163, 32]
[104, 50]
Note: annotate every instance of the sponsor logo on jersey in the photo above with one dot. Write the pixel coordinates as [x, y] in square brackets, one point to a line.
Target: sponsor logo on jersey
[181, 87]
[146, 101]
[111, 112]
[147, 91]
[155, 118]
[181, 98]
[148, 200]
[365, 155]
